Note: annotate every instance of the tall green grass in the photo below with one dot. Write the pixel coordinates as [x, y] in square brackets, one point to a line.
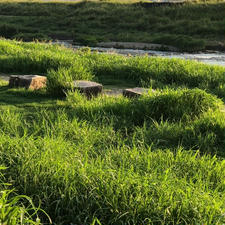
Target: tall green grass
[16, 209]
[81, 158]
[158, 159]
[81, 171]
[61, 65]
[159, 73]
[170, 105]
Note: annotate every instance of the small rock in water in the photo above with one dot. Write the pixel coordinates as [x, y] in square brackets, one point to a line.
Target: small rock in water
[33, 82]
[135, 92]
[89, 88]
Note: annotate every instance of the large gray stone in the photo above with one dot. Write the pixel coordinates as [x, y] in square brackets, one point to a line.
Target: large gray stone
[33, 82]
[89, 88]
[134, 92]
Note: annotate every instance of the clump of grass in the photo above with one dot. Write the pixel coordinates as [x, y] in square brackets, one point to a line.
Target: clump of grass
[13, 212]
[206, 134]
[17, 209]
[59, 82]
[176, 105]
[170, 105]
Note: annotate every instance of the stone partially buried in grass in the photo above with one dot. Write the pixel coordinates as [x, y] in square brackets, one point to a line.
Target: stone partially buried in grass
[33, 82]
[89, 88]
[135, 92]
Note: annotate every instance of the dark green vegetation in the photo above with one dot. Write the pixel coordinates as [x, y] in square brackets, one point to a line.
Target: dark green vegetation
[190, 27]
[154, 160]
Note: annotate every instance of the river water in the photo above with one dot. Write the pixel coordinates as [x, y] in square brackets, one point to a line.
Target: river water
[214, 58]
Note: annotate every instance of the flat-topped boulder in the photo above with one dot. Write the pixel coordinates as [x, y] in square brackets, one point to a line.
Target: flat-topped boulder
[135, 92]
[89, 88]
[33, 82]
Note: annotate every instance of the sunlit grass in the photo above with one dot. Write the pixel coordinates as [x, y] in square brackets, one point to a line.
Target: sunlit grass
[61, 65]
[155, 160]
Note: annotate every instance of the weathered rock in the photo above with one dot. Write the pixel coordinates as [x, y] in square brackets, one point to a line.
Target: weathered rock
[33, 82]
[89, 88]
[134, 92]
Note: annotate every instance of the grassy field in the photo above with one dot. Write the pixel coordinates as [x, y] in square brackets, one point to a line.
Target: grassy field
[154, 160]
[192, 26]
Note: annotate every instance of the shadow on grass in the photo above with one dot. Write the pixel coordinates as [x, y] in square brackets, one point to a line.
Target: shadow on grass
[22, 97]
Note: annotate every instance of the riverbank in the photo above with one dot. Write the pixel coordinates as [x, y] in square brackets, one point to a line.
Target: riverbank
[208, 57]
[187, 27]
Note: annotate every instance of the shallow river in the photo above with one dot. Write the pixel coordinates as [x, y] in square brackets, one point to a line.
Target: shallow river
[215, 58]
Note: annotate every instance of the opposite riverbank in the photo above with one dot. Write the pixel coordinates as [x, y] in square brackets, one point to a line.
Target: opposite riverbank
[188, 27]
